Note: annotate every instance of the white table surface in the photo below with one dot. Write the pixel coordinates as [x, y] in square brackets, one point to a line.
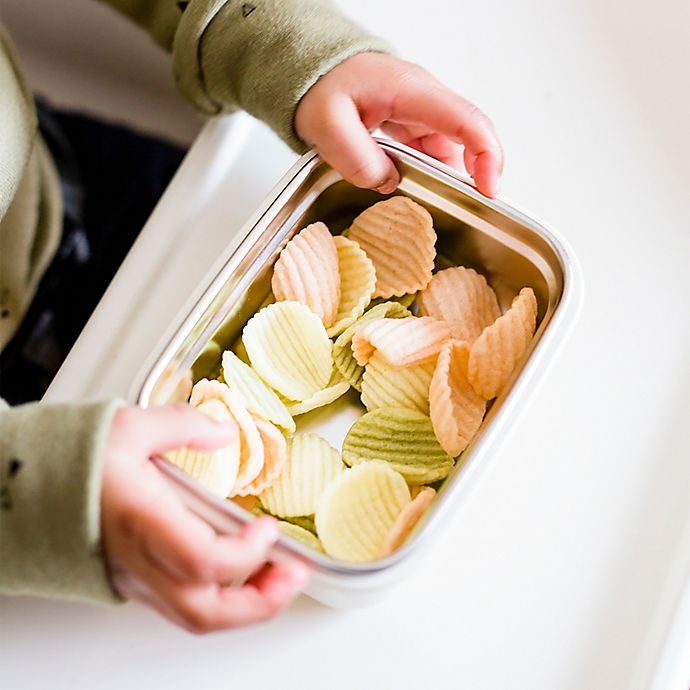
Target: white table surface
[567, 568]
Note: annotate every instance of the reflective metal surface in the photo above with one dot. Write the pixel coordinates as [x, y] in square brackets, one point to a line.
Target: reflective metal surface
[512, 250]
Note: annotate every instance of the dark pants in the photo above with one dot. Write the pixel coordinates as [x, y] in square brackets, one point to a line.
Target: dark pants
[111, 178]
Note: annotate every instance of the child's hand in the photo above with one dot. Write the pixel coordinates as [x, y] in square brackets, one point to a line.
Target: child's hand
[160, 553]
[373, 90]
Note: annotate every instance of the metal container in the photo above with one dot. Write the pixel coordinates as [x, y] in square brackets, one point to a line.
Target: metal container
[511, 249]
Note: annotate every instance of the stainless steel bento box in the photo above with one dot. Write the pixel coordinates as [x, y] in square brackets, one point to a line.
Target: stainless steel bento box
[510, 249]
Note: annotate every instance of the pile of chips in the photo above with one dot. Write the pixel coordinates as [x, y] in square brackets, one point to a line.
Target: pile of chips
[364, 310]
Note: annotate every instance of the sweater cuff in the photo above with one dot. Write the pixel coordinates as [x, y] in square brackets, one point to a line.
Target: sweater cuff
[263, 55]
[50, 486]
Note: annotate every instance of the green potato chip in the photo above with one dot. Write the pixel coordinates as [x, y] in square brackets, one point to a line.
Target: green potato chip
[402, 438]
[342, 348]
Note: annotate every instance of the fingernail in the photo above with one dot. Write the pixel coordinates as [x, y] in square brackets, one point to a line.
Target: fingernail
[389, 186]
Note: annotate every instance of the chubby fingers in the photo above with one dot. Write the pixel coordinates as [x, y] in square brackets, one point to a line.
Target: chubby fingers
[423, 101]
[204, 608]
[344, 142]
[157, 429]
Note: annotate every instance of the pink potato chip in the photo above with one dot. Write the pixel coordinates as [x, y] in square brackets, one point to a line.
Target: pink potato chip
[307, 272]
[401, 342]
[456, 410]
[406, 520]
[398, 236]
[500, 346]
[461, 297]
[275, 457]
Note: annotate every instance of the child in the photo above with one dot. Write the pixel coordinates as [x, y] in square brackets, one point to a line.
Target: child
[84, 514]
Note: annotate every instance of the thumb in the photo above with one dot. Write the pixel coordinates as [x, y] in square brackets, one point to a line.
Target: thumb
[344, 142]
[169, 427]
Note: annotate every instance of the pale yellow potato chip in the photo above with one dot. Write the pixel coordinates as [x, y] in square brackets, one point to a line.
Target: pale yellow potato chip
[357, 283]
[398, 236]
[337, 387]
[289, 349]
[407, 520]
[463, 299]
[456, 410]
[501, 346]
[401, 342]
[275, 457]
[307, 272]
[257, 397]
[358, 509]
[300, 534]
[311, 465]
[402, 438]
[251, 445]
[386, 385]
[215, 470]
[342, 348]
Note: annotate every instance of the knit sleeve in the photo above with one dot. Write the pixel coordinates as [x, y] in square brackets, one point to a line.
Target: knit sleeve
[50, 483]
[258, 55]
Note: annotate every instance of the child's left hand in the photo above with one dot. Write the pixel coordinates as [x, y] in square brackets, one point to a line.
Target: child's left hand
[373, 90]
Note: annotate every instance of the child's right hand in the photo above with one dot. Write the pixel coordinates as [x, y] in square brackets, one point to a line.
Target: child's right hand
[162, 554]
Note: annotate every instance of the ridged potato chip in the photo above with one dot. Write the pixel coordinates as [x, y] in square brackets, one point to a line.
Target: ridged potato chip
[401, 342]
[398, 236]
[357, 283]
[385, 385]
[358, 509]
[402, 438]
[300, 534]
[342, 348]
[251, 445]
[275, 457]
[499, 348]
[406, 521]
[461, 297]
[337, 387]
[215, 470]
[289, 349]
[456, 410]
[257, 397]
[307, 272]
[311, 465]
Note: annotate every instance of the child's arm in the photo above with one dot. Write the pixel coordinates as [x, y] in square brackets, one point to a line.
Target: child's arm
[75, 481]
[265, 55]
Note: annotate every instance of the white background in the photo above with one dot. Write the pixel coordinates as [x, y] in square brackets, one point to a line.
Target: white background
[564, 569]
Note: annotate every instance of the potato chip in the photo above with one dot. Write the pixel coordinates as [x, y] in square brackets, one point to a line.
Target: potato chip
[248, 503]
[358, 509]
[251, 445]
[342, 348]
[337, 386]
[407, 520]
[401, 342]
[456, 410]
[385, 385]
[499, 348]
[398, 236]
[289, 349]
[307, 272]
[461, 297]
[300, 534]
[257, 397]
[406, 300]
[215, 470]
[275, 457]
[357, 282]
[402, 438]
[311, 465]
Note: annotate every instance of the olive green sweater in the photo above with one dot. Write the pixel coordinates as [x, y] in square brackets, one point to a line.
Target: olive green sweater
[259, 55]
